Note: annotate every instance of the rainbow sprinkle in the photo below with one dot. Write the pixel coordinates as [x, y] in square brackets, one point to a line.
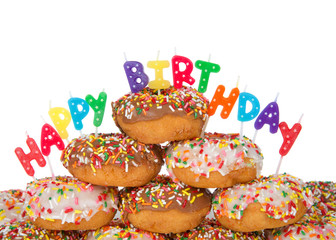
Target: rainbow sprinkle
[214, 152]
[103, 149]
[185, 99]
[278, 196]
[68, 199]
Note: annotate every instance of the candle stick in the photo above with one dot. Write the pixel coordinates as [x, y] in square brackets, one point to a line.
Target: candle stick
[34, 154]
[289, 136]
[61, 118]
[159, 82]
[79, 109]
[50, 137]
[206, 68]
[244, 116]
[98, 107]
[136, 76]
[180, 76]
[227, 103]
[270, 116]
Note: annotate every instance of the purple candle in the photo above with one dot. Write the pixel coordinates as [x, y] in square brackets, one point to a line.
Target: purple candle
[136, 77]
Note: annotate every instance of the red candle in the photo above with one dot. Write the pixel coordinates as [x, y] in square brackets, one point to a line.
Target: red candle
[180, 76]
[50, 137]
[35, 154]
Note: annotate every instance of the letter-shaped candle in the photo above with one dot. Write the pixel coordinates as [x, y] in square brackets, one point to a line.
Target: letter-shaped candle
[61, 118]
[136, 76]
[25, 159]
[227, 103]
[159, 82]
[79, 109]
[180, 76]
[207, 68]
[270, 116]
[50, 137]
[244, 116]
[289, 136]
[98, 106]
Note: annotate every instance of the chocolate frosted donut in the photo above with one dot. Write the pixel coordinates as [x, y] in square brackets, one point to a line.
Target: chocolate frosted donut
[211, 229]
[112, 160]
[264, 203]
[154, 117]
[215, 160]
[65, 203]
[119, 231]
[163, 206]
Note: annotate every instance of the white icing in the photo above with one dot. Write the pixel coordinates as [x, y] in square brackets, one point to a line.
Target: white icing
[275, 194]
[70, 202]
[223, 153]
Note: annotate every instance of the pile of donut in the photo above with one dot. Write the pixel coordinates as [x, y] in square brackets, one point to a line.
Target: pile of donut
[214, 189]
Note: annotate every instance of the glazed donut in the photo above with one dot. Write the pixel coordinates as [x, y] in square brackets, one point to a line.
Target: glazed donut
[163, 206]
[67, 203]
[112, 160]
[11, 206]
[267, 202]
[26, 230]
[118, 230]
[154, 117]
[316, 224]
[214, 161]
[211, 229]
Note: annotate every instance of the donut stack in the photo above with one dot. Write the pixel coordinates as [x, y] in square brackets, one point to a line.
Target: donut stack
[120, 171]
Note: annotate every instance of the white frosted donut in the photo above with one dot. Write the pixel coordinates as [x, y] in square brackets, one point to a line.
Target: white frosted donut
[314, 225]
[11, 206]
[267, 202]
[118, 230]
[66, 203]
[215, 160]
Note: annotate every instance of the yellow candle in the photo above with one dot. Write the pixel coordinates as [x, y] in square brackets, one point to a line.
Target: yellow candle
[61, 118]
[159, 82]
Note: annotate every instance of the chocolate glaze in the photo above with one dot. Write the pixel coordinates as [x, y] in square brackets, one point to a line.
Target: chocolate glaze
[162, 194]
[147, 105]
[116, 149]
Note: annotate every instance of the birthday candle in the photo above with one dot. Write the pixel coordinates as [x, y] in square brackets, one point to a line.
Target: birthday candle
[159, 82]
[270, 116]
[98, 106]
[34, 154]
[136, 76]
[180, 76]
[227, 103]
[207, 68]
[50, 137]
[244, 116]
[289, 136]
[78, 114]
[61, 118]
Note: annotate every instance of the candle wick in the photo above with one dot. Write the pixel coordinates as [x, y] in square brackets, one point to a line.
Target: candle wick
[158, 55]
[301, 118]
[49, 104]
[70, 94]
[175, 50]
[125, 56]
[245, 88]
[209, 57]
[276, 98]
[238, 80]
[43, 119]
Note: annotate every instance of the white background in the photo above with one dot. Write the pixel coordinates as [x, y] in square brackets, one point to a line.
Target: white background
[48, 48]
